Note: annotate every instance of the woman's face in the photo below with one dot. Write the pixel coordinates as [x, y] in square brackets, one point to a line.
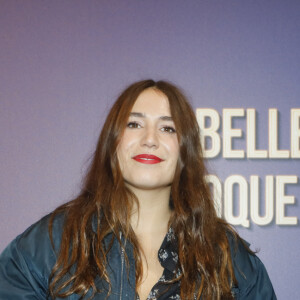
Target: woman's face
[148, 151]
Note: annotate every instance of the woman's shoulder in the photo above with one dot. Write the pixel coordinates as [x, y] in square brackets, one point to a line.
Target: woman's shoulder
[37, 234]
[27, 261]
[35, 241]
[251, 275]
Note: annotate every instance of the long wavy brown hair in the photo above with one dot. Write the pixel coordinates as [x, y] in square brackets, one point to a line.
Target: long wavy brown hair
[203, 248]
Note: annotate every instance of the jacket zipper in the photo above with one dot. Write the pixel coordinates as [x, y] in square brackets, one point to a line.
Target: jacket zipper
[122, 269]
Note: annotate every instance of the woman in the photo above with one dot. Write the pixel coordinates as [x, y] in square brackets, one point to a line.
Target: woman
[144, 225]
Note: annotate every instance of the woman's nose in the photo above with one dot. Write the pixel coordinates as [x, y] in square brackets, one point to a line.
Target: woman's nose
[150, 138]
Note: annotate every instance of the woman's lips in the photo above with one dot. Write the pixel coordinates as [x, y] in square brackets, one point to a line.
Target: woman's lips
[147, 159]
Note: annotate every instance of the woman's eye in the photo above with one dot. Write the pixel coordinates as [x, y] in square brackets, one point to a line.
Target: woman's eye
[168, 129]
[133, 125]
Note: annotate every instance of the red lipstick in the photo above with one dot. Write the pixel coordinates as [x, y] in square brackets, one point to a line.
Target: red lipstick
[147, 159]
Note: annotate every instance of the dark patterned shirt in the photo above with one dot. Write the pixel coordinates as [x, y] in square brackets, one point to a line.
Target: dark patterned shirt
[168, 258]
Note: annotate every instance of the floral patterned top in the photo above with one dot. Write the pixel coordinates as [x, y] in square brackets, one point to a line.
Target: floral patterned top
[168, 258]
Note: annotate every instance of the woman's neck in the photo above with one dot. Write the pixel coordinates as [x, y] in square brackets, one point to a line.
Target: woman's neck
[154, 211]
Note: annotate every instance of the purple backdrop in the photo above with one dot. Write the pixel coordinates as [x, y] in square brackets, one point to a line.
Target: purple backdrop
[62, 64]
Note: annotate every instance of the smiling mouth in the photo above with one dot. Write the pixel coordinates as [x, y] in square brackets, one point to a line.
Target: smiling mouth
[147, 159]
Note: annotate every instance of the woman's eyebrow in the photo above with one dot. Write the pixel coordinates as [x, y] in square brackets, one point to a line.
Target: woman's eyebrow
[141, 115]
[136, 114]
[166, 118]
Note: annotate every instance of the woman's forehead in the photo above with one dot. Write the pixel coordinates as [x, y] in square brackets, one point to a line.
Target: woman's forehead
[152, 102]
